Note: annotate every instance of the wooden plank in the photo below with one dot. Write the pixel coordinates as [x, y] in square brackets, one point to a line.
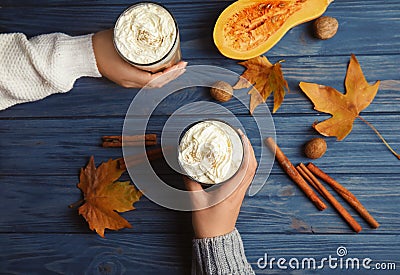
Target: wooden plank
[38, 3]
[49, 3]
[170, 254]
[374, 25]
[89, 254]
[99, 97]
[62, 146]
[318, 247]
[85, 19]
[40, 204]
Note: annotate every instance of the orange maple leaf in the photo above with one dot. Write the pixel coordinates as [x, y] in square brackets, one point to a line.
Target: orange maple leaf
[344, 108]
[265, 78]
[103, 196]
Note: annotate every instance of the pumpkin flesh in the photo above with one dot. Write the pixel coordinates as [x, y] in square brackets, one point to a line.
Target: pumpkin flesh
[247, 29]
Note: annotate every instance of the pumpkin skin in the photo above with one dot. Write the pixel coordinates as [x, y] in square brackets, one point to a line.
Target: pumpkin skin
[249, 28]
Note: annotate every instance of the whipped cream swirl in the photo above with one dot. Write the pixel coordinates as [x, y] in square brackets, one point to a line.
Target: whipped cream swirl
[145, 33]
[210, 152]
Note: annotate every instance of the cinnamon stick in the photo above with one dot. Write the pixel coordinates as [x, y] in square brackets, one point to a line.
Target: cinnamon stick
[147, 137]
[291, 171]
[310, 181]
[138, 140]
[345, 194]
[154, 154]
[339, 208]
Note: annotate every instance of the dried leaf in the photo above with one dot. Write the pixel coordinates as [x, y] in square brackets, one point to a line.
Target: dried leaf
[103, 196]
[344, 108]
[265, 78]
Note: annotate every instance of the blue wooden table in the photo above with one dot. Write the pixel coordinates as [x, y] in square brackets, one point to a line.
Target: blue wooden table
[44, 144]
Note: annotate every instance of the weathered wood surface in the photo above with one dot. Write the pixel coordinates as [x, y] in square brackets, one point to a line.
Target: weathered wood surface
[111, 100]
[64, 145]
[40, 204]
[170, 253]
[369, 28]
[43, 145]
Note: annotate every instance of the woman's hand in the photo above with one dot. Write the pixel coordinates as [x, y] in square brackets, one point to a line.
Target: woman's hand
[113, 67]
[220, 219]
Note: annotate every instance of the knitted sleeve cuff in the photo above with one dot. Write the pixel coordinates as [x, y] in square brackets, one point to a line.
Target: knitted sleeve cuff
[220, 255]
[78, 57]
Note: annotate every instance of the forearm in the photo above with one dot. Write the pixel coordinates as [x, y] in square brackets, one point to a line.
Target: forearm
[36, 68]
[220, 255]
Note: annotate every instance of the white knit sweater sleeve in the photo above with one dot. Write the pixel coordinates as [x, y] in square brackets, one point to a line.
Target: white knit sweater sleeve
[43, 65]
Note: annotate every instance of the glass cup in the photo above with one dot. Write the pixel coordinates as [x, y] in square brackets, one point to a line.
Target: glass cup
[210, 152]
[146, 35]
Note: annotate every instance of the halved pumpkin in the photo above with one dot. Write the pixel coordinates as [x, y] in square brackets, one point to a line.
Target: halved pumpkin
[249, 28]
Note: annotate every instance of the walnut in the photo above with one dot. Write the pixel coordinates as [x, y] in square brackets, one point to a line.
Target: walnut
[325, 27]
[315, 148]
[221, 91]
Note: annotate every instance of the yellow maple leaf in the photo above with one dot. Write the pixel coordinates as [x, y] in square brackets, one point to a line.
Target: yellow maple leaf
[265, 78]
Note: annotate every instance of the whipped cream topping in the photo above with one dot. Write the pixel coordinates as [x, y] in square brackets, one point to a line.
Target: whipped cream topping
[145, 33]
[210, 152]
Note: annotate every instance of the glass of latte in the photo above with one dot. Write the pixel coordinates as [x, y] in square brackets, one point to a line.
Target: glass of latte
[210, 152]
[146, 35]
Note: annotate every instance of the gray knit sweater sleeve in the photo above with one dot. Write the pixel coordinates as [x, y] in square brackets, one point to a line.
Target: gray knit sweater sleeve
[32, 69]
[220, 255]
